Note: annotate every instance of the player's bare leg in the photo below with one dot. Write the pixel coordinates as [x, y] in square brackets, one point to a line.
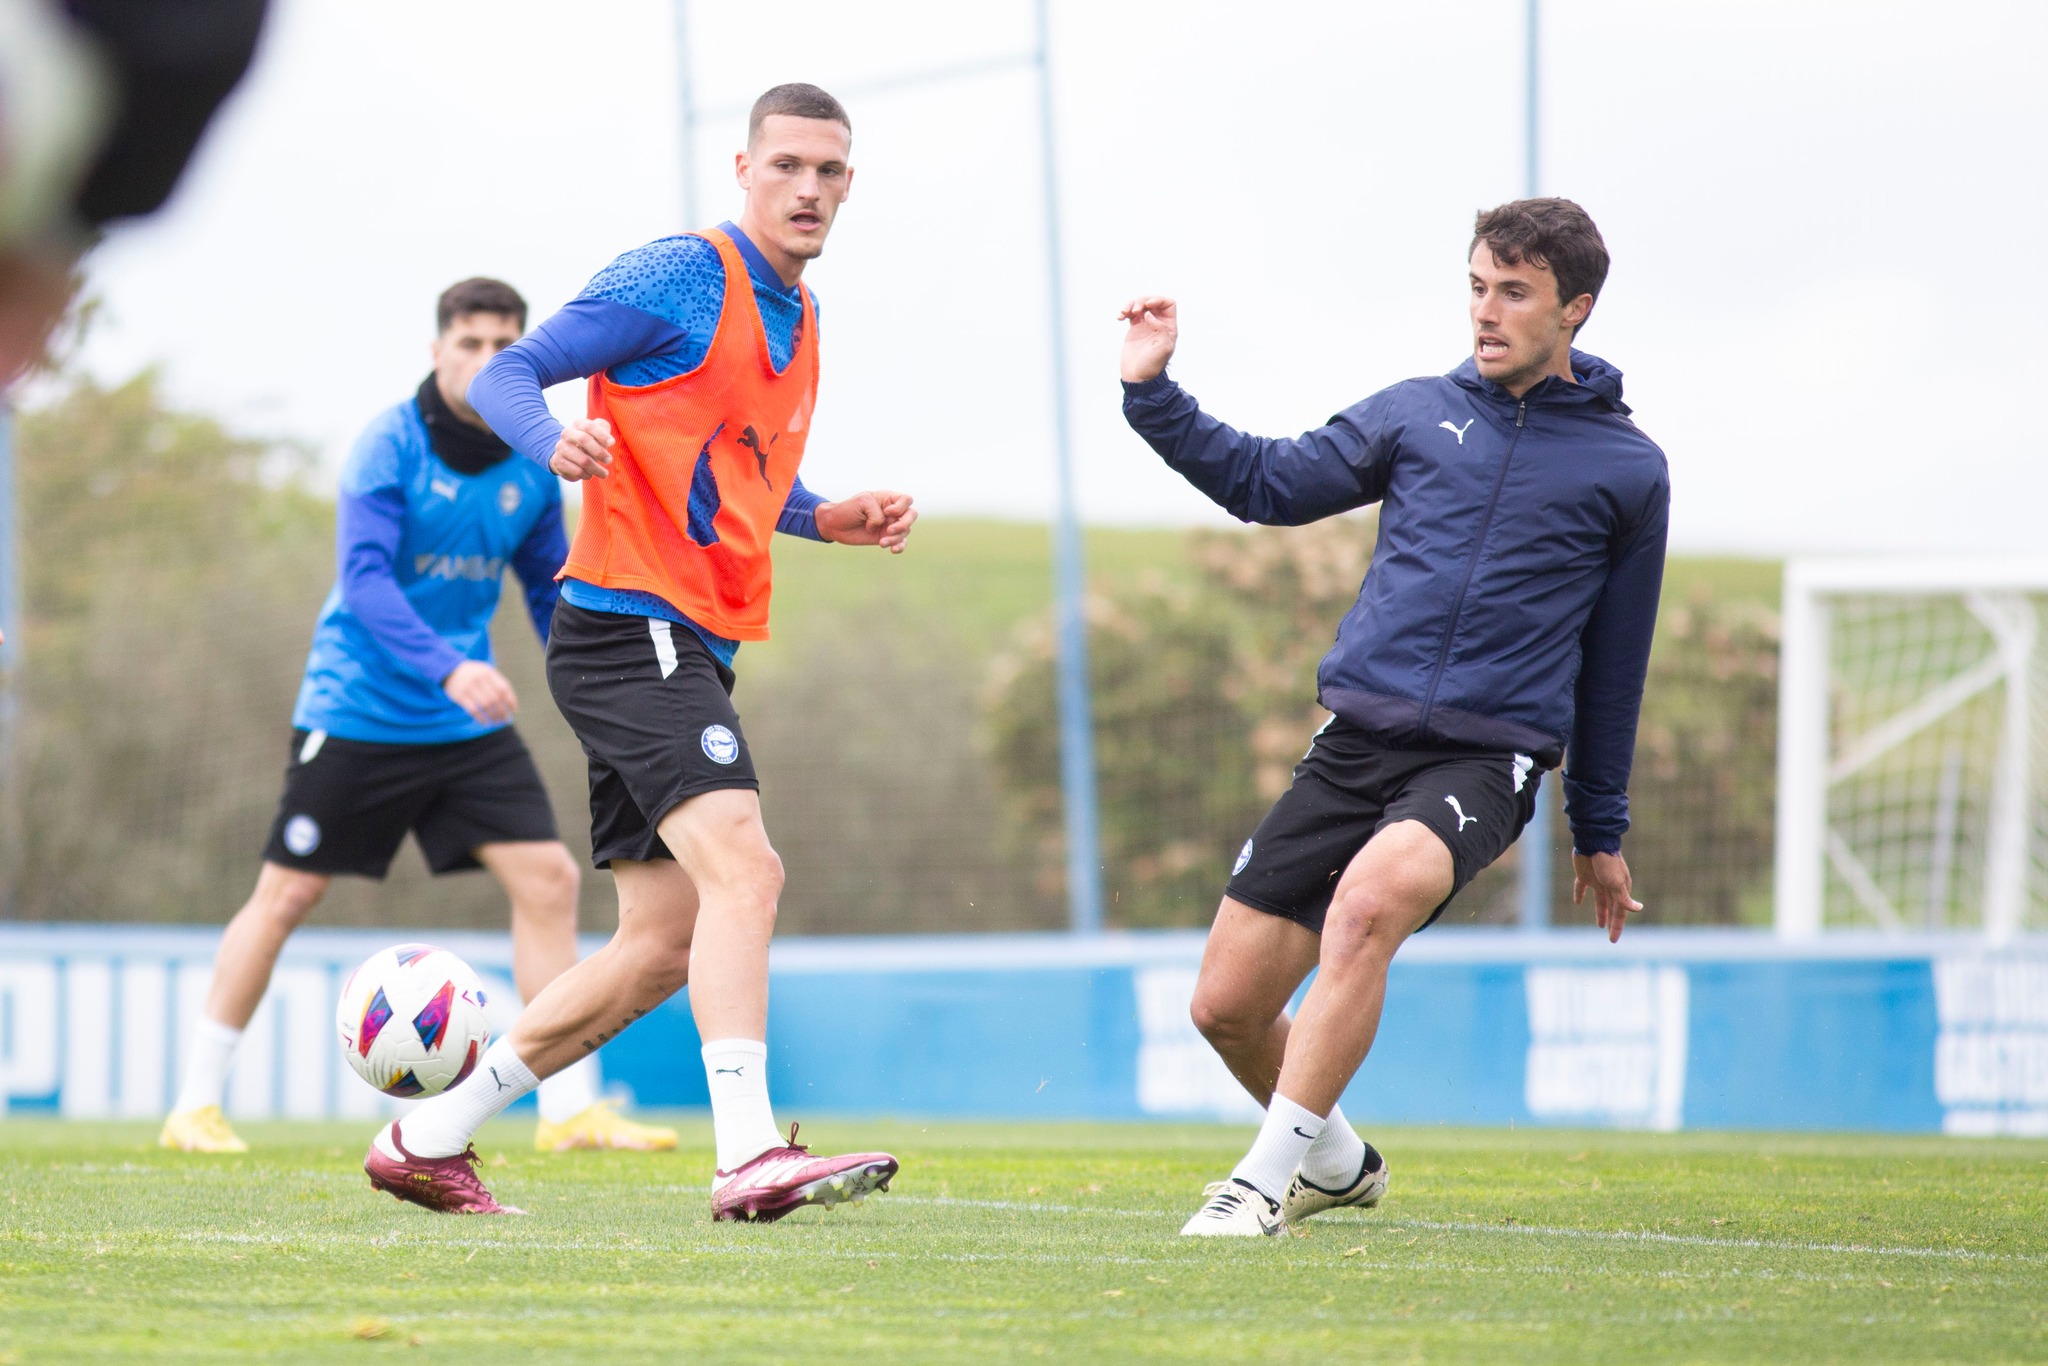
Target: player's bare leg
[1387, 892]
[1251, 966]
[541, 880]
[241, 974]
[646, 962]
[707, 917]
[720, 842]
[249, 946]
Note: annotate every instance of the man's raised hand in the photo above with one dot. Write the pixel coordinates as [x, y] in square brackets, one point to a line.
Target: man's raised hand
[1149, 342]
[584, 451]
[1607, 876]
[879, 518]
[481, 691]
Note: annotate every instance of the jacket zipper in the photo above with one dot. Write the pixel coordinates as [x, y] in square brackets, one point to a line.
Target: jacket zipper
[1443, 655]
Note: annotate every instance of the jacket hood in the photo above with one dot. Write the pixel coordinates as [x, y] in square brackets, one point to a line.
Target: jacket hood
[1599, 382]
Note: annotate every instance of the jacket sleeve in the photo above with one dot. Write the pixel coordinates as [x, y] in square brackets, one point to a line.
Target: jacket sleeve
[1274, 481]
[539, 557]
[1614, 660]
[371, 523]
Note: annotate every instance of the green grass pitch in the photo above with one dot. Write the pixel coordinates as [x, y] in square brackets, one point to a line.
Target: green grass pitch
[1030, 1241]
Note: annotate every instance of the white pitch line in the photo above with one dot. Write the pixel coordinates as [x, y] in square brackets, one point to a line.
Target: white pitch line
[1695, 1240]
[1540, 1230]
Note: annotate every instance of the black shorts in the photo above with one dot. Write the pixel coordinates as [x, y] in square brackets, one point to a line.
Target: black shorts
[1348, 788]
[348, 803]
[653, 708]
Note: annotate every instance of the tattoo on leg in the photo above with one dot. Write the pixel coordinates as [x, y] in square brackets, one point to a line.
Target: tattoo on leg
[606, 1036]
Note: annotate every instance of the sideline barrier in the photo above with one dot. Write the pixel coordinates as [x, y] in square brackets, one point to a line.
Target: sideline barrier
[1671, 1029]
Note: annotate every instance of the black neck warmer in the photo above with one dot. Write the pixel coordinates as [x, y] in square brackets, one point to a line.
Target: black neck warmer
[462, 447]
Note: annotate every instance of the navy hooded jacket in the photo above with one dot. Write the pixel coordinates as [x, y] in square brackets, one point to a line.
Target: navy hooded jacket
[1514, 588]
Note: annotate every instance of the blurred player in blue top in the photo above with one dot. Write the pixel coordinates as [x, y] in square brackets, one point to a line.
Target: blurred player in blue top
[404, 724]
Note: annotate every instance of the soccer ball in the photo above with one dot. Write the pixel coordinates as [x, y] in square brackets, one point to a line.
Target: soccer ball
[411, 1020]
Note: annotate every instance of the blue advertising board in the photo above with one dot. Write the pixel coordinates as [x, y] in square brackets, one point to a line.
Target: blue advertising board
[1668, 1030]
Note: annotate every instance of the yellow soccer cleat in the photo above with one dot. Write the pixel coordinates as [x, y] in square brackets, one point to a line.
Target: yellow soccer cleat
[204, 1130]
[602, 1126]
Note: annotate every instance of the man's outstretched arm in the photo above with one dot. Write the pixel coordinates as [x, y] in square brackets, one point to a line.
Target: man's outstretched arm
[1277, 482]
[588, 336]
[1614, 661]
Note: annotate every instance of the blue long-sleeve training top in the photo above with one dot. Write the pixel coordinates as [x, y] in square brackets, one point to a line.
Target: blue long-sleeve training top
[646, 317]
[421, 550]
[1513, 593]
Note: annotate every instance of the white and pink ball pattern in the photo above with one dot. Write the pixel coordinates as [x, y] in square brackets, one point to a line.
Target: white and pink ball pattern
[411, 1020]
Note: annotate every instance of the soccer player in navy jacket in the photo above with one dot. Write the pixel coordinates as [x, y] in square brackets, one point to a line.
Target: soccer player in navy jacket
[1504, 626]
[404, 723]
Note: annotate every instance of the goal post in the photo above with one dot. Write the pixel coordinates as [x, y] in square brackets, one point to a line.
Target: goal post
[1912, 746]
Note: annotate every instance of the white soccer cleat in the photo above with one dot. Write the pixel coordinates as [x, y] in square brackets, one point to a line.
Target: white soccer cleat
[1235, 1209]
[1305, 1199]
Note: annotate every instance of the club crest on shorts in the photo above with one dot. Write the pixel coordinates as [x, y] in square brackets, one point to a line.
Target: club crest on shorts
[302, 835]
[721, 746]
[1244, 856]
[508, 498]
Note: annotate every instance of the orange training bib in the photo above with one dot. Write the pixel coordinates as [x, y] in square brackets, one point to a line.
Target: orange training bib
[702, 466]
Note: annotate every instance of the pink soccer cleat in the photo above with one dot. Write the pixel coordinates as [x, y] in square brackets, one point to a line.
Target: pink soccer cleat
[787, 1178]
[446, 1185]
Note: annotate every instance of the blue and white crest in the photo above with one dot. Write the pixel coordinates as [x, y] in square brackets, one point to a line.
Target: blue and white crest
[1244, 856]
[508, 498]
[302, 835]
[721, 746]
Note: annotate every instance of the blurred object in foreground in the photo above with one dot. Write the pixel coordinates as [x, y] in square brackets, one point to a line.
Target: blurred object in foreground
[102, 103]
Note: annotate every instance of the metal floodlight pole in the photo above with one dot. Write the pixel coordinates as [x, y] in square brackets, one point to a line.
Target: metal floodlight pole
[1531, 91]
[1076, 712]
[1077, 721]
[1538, 842]
[686, 91]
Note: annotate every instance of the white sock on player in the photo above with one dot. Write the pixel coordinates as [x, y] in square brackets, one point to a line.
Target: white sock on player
[1283, 1139]
[742, 1121]
[208, 1060]
[443, 1125]
[1337, 1159]
[570, 1091]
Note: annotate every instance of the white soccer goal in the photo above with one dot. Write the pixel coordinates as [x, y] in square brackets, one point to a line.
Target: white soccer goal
[1913, 746]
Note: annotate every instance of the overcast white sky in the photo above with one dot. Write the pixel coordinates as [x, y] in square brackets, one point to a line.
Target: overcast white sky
[1826, 222]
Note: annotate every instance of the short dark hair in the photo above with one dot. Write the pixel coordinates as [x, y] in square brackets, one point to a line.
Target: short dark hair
[479, 294]
[1555, 233]
[799, 101]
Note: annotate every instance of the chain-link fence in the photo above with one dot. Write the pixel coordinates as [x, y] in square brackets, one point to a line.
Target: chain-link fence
[902, 720]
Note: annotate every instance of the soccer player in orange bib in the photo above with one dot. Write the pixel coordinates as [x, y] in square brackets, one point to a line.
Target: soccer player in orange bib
[702, 355]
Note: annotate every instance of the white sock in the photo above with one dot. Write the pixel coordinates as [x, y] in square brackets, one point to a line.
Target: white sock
[570, 1091]
[1337, 1159]
[441, 1126]
[1286, 1135]
[208, 1060]
[741, 1119]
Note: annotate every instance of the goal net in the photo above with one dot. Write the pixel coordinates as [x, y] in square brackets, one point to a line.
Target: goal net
[1913, 746]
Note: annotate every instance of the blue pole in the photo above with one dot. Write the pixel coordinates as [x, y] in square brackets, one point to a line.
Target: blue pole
[1530, 90]
[686, 92]
[1077, 723]
[1538, 841]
